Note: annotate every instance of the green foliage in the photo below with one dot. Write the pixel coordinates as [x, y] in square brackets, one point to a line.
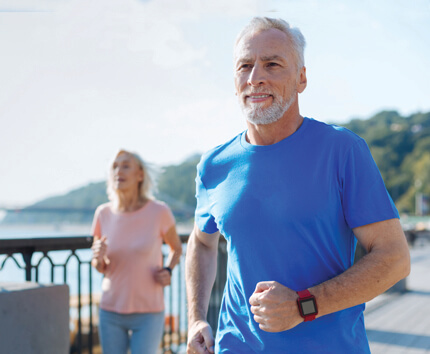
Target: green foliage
[178, 181]
[177, 187]
[401, 149]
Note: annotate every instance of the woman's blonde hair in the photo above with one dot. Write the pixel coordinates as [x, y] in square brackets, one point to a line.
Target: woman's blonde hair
[145, 188]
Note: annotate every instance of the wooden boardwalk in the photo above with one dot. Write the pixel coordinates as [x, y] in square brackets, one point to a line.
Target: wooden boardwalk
[400, 323]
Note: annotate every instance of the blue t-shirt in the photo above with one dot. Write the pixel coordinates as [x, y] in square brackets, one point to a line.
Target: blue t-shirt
[287, 211]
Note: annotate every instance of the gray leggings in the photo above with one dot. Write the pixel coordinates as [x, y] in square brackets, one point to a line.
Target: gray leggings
[139, 332]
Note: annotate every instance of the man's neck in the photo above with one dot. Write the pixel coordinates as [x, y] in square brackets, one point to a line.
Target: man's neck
[269, 134]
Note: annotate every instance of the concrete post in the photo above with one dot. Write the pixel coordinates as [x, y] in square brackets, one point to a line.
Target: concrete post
[34, 318]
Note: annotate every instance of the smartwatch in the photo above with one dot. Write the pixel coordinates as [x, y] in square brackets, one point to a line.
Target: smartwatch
[307, 305]
[168, 269]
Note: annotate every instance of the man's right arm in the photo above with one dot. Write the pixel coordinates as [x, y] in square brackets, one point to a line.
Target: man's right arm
[200, 273]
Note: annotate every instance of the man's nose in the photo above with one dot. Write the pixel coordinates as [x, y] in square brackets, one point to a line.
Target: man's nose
[256, 77]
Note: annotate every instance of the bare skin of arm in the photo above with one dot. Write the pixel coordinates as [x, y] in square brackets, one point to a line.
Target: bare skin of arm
[388, 261]
[172, 239]
[99, 260]
[200, 273]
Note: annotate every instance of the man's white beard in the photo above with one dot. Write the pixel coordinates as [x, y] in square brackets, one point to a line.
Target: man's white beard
[256, 114]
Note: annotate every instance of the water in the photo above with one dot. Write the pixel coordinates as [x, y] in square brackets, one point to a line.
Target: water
[43, 230]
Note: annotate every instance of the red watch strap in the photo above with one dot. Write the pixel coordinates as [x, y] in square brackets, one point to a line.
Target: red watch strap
[304, 293]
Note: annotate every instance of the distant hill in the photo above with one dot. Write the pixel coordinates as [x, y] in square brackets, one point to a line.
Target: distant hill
[77, 206]
[176, 186]
[399, 145]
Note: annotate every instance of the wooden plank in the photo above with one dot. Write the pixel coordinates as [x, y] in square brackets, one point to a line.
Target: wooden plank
[402, 325]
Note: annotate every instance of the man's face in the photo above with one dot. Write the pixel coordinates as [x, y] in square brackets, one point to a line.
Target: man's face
[266, 76]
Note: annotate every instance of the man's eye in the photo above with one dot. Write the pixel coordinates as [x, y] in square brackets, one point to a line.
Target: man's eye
[272, 64]
[245, 66]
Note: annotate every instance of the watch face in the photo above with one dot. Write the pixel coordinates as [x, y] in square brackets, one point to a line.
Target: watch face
[308, 307]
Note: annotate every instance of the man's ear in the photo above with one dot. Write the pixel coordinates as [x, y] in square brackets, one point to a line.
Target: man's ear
[302, 81]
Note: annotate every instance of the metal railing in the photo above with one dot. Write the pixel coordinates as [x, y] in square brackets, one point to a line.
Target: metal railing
[40, 255]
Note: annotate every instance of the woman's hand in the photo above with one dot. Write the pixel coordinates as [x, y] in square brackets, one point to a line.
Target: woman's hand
[163, 277]
[99, 249]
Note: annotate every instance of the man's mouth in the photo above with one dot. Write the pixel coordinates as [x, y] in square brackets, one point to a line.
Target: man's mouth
[257, 97]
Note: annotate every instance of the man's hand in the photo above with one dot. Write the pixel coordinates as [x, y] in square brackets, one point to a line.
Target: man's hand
[200, 338]
[163, 277]
[274, 307]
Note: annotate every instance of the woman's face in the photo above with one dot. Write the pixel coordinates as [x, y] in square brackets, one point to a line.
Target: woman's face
[126, 172]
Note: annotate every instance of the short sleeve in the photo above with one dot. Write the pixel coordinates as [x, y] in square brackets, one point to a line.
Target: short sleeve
[364, 196]
[167, 220]
[96, 228]
[203, 217]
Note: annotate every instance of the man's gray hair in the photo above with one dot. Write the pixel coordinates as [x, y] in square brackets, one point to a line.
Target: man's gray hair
[259, 24]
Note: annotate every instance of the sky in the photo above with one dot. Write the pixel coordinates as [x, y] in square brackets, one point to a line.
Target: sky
[81, 79]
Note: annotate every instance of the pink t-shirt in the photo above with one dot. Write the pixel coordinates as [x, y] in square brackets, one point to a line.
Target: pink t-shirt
[134, 241]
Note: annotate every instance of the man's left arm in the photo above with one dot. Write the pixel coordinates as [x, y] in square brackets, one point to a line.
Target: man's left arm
[387, 261]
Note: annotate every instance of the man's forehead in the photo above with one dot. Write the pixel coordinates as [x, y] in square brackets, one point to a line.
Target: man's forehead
[267, 44]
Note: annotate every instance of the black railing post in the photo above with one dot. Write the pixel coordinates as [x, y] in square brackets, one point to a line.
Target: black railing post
[79, 308]
[90, 295]
[27, 255]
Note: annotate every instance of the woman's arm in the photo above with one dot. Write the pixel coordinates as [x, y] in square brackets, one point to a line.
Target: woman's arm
[174, 242]
[163, 276]
[99, 260]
